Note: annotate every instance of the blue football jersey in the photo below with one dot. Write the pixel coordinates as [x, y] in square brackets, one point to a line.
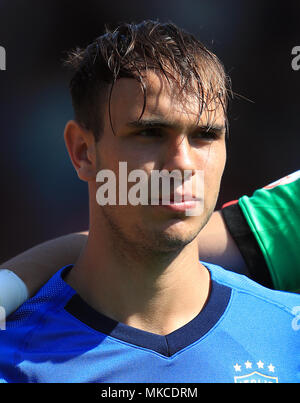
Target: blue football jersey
[244, 333]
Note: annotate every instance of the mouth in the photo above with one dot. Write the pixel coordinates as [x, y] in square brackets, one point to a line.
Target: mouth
[177, 202]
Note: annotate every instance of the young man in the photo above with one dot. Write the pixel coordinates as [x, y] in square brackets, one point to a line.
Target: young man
[138, 306]
[256, 236]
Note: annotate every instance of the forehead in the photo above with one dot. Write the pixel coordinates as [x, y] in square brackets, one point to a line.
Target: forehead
[161, 98]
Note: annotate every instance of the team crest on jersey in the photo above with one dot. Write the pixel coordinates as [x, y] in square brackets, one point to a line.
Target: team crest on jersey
[259, 372]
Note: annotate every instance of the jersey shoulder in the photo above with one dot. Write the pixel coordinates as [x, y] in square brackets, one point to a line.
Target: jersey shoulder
[265, 227]
[51, 296]
[286, 301]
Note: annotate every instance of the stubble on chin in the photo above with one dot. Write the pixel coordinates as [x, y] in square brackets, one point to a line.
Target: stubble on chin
[141, 242]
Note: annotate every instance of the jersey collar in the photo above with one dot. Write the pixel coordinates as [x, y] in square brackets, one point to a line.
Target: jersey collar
[166, 345]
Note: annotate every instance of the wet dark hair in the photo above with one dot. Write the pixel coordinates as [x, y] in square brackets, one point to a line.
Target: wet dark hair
[130, 50]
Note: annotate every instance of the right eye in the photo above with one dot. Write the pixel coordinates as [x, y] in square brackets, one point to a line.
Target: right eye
[149, 133]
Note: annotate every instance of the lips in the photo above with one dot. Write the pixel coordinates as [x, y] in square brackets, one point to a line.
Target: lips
[177, 199]
[177, 203]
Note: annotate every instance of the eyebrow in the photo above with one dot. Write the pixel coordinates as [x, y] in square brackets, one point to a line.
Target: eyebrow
[153, 123]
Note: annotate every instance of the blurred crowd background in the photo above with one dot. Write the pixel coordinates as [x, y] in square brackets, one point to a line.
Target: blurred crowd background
[41, 196]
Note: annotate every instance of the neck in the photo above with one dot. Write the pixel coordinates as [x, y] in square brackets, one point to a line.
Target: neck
[158, 293]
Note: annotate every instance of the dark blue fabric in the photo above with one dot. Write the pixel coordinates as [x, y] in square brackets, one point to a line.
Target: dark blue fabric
[245, 333]
[165, 345]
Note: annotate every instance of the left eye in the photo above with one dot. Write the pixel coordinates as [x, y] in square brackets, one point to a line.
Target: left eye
[206, 135]
[148, 133]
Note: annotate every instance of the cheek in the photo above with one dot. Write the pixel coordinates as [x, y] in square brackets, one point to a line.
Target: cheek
[217, 157]
[222, 160]
[214, 168]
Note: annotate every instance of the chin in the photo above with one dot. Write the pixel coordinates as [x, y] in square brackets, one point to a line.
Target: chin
[175, 237]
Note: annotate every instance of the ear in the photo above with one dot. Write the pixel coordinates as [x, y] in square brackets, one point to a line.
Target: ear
[80, 144]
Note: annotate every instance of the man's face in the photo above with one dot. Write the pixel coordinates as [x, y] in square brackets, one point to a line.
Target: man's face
[167, 137]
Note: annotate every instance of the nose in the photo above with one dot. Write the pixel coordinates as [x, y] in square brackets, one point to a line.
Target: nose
[179, 155]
